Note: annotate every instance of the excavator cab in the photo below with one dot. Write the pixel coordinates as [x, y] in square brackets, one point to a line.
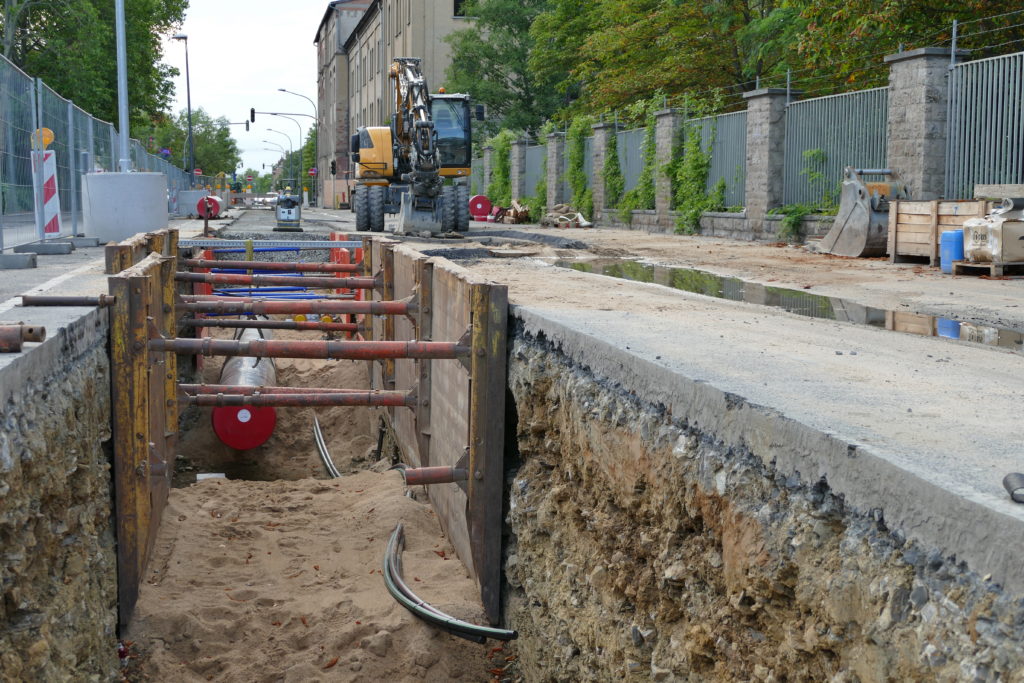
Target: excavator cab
[454, 133]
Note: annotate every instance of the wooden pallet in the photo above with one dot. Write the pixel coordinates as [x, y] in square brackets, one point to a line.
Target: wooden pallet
[990, 269]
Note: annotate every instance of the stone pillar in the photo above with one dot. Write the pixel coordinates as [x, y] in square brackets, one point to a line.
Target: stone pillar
[766, 142]
[918, 93]
[488, 167]
[517, 169]
[602, 132]
[667, 123]
[556, 161]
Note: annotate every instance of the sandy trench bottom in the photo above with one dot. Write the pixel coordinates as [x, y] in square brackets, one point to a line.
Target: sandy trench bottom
[276, 575]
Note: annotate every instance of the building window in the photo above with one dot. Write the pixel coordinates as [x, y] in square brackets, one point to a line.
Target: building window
[460, 8]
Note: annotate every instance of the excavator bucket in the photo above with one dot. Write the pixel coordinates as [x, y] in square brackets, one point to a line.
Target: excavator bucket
[861, 226]
[419, 215]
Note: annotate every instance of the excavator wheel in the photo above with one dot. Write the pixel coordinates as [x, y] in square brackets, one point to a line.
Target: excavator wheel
[448, 209]
[376, 213]
[462, 207]
[361, 205]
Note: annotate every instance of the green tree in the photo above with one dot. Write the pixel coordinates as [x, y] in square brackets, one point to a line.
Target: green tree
[70, 45]
[216, 151]
[489, 61]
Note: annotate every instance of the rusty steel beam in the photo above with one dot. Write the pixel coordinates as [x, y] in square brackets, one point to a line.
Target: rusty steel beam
[416, 476]
[260, 280]
[199, 305]
[247, 390]
[279, 348]
[315, 399]
[102, 300]
[274, 325]
[275, 265]
[13, 336]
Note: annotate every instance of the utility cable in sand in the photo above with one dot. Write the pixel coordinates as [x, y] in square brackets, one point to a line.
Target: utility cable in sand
[401, 592]
[321, 445]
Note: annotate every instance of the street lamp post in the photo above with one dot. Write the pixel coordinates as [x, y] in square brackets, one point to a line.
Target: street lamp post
[291, 148]
[284, 152]
[316, 134]
[188, 99]
[298, 180]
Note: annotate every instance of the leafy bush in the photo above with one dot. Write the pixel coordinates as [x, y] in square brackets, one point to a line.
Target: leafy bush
[690, 173]
[499, 191]
[614, 182]
[576, 145]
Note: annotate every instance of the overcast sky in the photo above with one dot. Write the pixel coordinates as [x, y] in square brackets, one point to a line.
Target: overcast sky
[239, 54]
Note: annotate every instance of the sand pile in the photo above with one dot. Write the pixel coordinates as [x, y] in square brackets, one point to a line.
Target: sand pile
[280, 581]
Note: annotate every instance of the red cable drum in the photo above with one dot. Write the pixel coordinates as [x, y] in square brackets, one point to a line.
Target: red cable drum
[479, 207]
[216, 205]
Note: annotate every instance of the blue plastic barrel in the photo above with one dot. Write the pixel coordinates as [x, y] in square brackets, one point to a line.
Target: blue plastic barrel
[951, 248]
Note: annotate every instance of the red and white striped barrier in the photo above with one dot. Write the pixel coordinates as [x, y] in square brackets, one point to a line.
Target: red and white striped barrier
[52, 224]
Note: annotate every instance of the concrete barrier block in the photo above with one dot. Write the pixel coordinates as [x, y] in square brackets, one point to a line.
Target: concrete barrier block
[46, 248]
[17, 261]
[81, 242]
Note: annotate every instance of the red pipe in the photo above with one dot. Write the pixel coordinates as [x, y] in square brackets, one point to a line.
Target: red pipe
[260, 280]
[403, 307]
[415, 476]
[276, 265]
[274, 325]
[355, 398]
[274, 348]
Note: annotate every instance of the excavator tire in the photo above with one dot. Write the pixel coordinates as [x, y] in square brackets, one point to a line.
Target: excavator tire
[461, 207]
[448, 209]
[361, 205]
[376, 213]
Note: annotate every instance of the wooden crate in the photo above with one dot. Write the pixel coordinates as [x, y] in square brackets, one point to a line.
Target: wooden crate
[915, 228]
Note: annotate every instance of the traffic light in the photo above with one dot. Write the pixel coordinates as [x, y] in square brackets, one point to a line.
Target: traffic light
[334, 167]
[246, 126]
[252, 114]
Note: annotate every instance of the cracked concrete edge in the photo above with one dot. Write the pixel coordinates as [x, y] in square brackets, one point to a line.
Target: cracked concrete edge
[981, 532]
[70, 332]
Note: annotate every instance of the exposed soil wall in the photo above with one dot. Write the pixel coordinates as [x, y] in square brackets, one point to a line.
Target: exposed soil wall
[57, 564]
[641, 548]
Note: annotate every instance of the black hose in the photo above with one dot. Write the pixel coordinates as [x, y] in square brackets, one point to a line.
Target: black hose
[409, 600]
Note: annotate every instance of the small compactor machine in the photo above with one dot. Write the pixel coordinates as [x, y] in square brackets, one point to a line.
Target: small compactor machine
[289, 213]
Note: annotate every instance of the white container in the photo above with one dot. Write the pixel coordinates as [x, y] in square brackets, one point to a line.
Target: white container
[994, 240]
[116, 206]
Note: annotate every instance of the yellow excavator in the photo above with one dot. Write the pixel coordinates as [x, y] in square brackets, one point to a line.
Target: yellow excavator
[402, 168]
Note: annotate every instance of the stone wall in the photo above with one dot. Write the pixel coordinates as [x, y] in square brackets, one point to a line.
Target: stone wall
[641, 548]
[57, 575]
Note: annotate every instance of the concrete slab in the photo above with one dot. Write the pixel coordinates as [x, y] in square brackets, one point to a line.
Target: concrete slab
[46, 248]
[81, 242]
[882, 417]
[17, 261]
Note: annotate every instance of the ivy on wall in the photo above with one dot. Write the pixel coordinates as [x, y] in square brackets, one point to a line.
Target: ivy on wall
[641, 197]
[579, 184]
[499, 191]
[689, 174]
[614, 182]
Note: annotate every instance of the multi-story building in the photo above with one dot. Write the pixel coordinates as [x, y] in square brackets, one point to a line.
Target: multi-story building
[354, 58]
[340, 18]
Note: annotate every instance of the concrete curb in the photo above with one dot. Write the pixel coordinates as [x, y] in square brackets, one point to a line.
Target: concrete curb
[46, 248]
[17, 261]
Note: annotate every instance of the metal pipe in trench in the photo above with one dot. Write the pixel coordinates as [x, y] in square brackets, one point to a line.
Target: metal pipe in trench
[300, 267]
[416, 476]
[373, 399]
[13, 336]
[245, 426]
[35, 300]
[276, 325]
[257, 280]
[353, 350]
[257, 307]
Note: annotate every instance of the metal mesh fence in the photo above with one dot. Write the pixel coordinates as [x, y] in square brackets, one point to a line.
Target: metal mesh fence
[986, 125]
[631, 155]
[17, 198]
[34, 195]
[726, 137]
[826, 134]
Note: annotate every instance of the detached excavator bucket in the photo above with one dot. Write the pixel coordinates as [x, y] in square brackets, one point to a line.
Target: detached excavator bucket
[861, 226]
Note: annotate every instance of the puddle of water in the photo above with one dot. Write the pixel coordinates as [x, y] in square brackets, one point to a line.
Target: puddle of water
[799, 302]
